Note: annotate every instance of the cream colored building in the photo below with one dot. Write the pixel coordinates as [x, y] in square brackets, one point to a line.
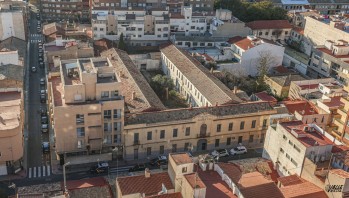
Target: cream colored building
[11, 131]
[86, 107]
[195, 129]
[12, 23]
[270, 29]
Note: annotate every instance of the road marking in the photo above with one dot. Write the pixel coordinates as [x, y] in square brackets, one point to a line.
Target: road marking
[34, 175]
[30, 172]
[43, 171]
[48, 170]
[39, 171]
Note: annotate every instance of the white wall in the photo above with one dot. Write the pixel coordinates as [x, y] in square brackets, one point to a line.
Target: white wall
[9, 58]
[12, 24]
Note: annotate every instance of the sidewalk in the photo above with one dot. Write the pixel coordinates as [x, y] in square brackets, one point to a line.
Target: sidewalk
[20, 175]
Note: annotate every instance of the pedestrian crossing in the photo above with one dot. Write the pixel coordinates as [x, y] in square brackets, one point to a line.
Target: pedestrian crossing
[35, 35]
[39, 171]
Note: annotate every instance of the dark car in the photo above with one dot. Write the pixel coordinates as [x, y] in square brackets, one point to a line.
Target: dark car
[138, 167]
[43, 112]
[101, 167]
[45, 147]
[42, 98]
[44, 120]
[160, 159]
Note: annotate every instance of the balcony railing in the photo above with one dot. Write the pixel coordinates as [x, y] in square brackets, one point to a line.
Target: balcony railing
[203, 135]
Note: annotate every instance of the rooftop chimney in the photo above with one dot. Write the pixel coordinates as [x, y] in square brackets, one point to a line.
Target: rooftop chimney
[133, 95]
[235, 89]
[147, 173]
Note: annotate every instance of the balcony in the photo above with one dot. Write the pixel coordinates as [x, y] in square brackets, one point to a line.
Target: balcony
[203, 135]
[336, 133]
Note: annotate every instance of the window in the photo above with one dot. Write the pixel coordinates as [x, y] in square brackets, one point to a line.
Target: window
[148, 151]
[80, 144]
[240, 140]
[116, 113]
[105, 94]
[253, 125]
[114, 93]
[175, 132]
[80, 131]
[184, 169]
[228, 140]
[266, 33]
[187, 131]
[80, 119]
[219, 126]
[260, 33]
[174, 148]
[162, 134]
[262, 138]
[107, 139]
[117, 138]
[265, 123]
[296, 148]
[107, 127]
[135, 154]
[288, 156]
[149, 135]
[290, 143]
[162, 150]
[242, 125]
[117, 126]
[286, 32]
[136, 138]
[273, 33]
[216, 144]
[294, 162]
[284, 137]
[230, 127]
[107, 114]
[250, 139]
[186, 146]
[282, 151]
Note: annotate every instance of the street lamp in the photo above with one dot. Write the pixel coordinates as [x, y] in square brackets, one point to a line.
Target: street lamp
[64, 177]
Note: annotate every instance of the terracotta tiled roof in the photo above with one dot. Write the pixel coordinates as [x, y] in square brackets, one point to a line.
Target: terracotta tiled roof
[189, 113]
[302, 189]
[231, 170]
[264, 96]
[282, 69]
[303, 107]
[308, 139]
[290, 180]
[235, 39]
[168, 195]
[141, 184]
[299, 30]
[340, 173]
[176, 16]
[269, 24]
[133, 81]
[204, 81]
[181, 158]
[254, 184]
[335, 102]
[339, 148]
[244, 43]
[194, 180]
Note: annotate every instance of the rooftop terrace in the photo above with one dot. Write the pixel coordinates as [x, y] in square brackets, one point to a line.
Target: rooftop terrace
[9, 110]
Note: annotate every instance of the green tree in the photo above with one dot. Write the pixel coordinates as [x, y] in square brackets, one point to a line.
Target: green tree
[122, 44]
[159, 83]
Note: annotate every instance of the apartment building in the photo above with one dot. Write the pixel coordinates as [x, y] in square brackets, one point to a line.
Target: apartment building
[195, 129]
[192, 80]
[288, 144]
[329, 7]
[12, 22]
[270, 29]
[293, 6]
[247, 51]
[11, 119]
[76, 10]
[341, 132]
[226, 25]
[139, 27]
[330, 60]
[319, 29]
[86, 107]
[279, 84]
[188, 23]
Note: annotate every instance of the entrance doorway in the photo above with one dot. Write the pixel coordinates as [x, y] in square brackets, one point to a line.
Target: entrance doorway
[202, 145]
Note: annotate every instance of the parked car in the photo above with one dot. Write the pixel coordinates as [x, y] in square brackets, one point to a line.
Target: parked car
[101, 167]
[238, 150]
[41, 64]
[42, 98]
[43, 112]
[44, 120]
[40, 51]
[33, 69]
[43, 91]
[159, 159]
[220, 153]
[138, 167]
[44, 128]
[45, 147]
[42, 81]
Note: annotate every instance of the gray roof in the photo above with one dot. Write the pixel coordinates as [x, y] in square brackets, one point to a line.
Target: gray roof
[189, 113]
[14, 44]
[319, 1]
[285, 80]
[132, 80]
[204, 81]
[13, 72]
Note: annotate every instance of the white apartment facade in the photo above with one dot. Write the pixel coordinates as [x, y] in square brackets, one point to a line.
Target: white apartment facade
[137, 27]
[287, 145]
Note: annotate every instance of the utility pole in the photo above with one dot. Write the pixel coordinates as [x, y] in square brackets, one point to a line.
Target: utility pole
[64, 178]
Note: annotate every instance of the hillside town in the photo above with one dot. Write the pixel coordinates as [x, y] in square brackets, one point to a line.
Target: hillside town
[174, 99]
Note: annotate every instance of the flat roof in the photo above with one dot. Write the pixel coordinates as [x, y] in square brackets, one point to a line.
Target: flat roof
[10, 110]
[57, 90]
[303, 107]
[181, 158]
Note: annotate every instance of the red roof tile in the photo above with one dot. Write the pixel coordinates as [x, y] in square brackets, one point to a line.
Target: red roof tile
[329, 52]
[141, 184]
[264, 96]
[339, 148]
[335, 102]
[194, 180]
[86, 183]
[235, 39]
[311, 86]
[340, 173]
[299, 30]
[181, 158]
[207, 57]
[168, 195]
[290, 180]
[231, 170]
[302, 189]
[244, 44]
[269, 24]
[281, 69]
[303, 107]
[310, 138]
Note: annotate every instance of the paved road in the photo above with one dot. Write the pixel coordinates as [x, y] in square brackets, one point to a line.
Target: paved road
[38, 165]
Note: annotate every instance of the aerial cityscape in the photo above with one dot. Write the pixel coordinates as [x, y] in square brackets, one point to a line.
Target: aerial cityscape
[174, 99]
